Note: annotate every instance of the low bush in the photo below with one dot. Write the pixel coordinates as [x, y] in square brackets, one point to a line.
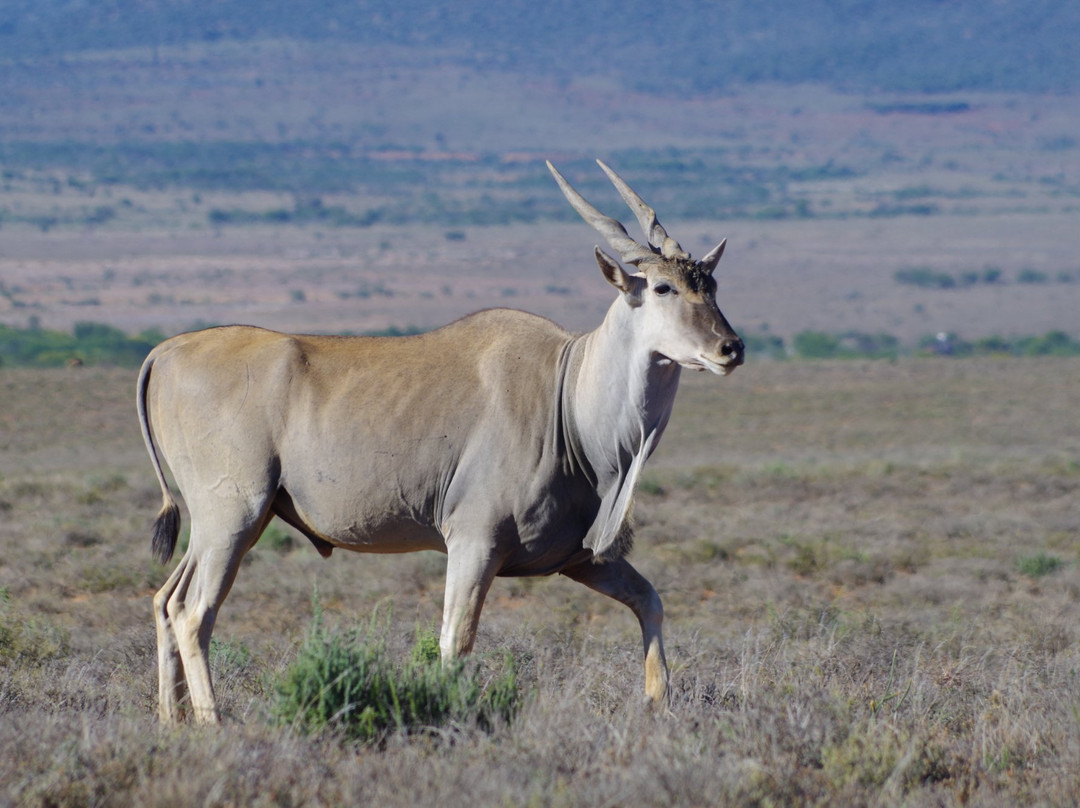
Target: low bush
[925, 277]
[1052, 343]
[1038, 565]
[1029, 275]
[346, 682]
[89, 343]
[28, 640]
[768, 345]
[846, 345]
[816, 345]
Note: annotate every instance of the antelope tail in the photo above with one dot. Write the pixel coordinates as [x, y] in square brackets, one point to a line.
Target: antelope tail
[167, 524]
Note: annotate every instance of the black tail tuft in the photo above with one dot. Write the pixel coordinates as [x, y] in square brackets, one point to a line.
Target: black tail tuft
[166, 530]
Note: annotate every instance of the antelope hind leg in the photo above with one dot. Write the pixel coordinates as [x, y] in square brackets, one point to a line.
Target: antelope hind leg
[171, 685]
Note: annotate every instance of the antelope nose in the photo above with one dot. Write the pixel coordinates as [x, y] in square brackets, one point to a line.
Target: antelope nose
[732, 350]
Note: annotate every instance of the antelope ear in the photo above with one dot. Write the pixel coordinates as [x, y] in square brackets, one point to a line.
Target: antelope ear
[619, 277]
[709, 262]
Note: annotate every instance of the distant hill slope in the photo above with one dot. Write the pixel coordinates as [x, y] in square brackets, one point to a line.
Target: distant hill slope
[683, 45]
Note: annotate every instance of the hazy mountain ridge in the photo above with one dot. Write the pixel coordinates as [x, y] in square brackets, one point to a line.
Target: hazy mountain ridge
[925, 45]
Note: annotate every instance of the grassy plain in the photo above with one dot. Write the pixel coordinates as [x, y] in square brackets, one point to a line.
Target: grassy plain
[870, 573]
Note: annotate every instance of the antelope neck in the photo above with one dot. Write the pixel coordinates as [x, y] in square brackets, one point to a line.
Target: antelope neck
[620, 394]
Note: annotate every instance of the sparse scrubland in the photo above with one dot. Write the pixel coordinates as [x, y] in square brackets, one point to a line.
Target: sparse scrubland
[870, 573]
[871, 569]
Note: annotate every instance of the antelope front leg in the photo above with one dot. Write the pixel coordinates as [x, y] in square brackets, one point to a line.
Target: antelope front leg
[619, 580]
[469, 573]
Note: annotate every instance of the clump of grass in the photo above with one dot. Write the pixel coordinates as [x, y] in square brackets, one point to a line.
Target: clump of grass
[28, 640]
[345, 681]
[878, 755]
[705, 478]
[108, 578]
[278, 539]
[651, 486]
[1038, 565]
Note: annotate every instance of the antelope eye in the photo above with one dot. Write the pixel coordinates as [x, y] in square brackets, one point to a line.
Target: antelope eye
[662, 289]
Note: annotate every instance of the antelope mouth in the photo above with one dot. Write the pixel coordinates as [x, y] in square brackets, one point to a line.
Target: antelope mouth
[722, 368]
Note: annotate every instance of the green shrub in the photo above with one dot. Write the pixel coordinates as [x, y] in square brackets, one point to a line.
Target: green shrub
[651, 486]
[925, 277]
[816, 345]
[869, 346]
[277, 538]
[994, 344]
[92, 343]
[28, 640]
[346, 682]
[1029, 275]
[1052, 343]
[1038, 565]
[769, 345]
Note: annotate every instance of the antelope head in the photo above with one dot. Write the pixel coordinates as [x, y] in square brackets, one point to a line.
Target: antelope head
[675, 294]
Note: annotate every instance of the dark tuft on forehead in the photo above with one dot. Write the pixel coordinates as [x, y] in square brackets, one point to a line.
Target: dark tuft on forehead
[688, 272]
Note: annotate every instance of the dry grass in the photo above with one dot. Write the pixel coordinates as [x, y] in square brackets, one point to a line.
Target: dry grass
[869, 569]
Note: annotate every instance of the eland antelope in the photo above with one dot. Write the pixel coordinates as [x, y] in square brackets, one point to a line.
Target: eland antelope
[501, 440]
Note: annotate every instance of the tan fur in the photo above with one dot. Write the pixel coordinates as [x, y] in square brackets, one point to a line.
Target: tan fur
[501, 440]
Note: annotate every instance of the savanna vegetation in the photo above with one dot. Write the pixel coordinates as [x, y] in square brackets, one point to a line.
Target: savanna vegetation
[91, 343]
[871, 573]
[101, 344]
[871, 569]
[90, 185]
[452, 192]
[930, 278]
[88, 343]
